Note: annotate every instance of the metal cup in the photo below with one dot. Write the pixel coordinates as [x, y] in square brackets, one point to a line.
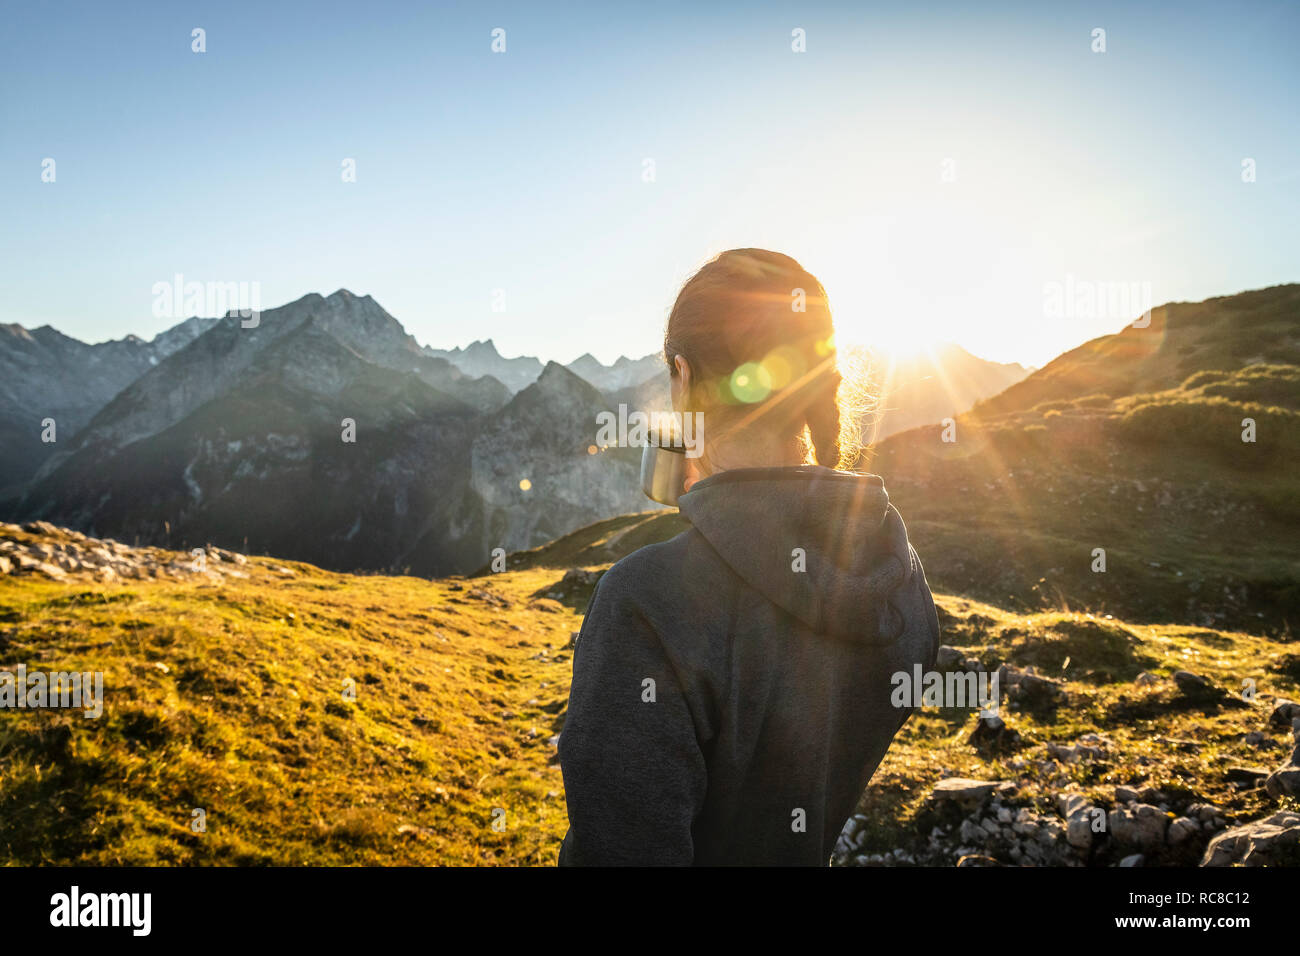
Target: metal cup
[663, 473]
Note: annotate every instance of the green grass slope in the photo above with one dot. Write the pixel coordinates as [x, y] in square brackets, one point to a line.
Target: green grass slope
[225, 693]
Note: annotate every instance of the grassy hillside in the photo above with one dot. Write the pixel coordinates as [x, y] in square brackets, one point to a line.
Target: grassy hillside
[1226, 332]
[1198, 526]
[224, 691]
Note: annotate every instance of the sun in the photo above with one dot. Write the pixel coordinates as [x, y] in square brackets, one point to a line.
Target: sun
[866, 314]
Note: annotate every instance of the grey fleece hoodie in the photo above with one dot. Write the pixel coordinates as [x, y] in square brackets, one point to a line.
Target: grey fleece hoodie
[731, 687]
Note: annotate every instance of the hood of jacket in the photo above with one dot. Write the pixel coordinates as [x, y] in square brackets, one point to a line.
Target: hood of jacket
[824, 545]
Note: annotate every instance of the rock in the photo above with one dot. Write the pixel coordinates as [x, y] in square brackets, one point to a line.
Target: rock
[969, 792]
[1139, 825]
[1206, 813]
[1255, 738]
[1078, 831]
[1074, 754]
[50, 570]
[1180, 829]
[1134, 860]
[978, 860]
[1248, 775]
[992, 734]
[1284, 712]
[1068, 804]
[5, 565]
[1035, 693]
[1125, 795]
[579, 578]
[1285, 781]
[1274, 840]
[1146, 678]
[412, 831]
[1195, 687]
[948, 658]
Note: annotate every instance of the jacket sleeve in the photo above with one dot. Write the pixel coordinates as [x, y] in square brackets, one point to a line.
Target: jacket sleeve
[634, 774]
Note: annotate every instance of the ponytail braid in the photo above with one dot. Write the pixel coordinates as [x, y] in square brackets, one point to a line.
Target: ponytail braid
[823, 420]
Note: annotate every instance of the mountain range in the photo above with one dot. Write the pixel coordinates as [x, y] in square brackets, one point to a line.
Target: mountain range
[45, 374]
[327, 433]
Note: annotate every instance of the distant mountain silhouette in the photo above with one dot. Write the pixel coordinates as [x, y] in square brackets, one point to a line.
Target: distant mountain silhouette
[482, 358]
[46, 374]
[238, 438]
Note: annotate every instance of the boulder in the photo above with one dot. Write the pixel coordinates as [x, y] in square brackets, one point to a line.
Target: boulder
[948, 658]
[1196, 687]
[1284, 712]
[967, 792]
[1251, 776]
[1138, 825]
[1180, 829]
[1285, 780]
[1209, 816]
[1078, 830]
[1275, 840]
[991, 734]
[1033, 693]
[579, 578]
[1068, 804]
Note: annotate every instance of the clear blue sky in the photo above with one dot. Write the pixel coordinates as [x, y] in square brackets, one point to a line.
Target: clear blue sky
[523, 170]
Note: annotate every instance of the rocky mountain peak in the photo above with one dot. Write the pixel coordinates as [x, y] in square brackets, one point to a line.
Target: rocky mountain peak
[558, 380]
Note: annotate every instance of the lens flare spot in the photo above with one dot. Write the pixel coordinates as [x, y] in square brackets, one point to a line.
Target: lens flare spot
[592, 449]
[751, 383]
[525, 484]
[783, 365]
